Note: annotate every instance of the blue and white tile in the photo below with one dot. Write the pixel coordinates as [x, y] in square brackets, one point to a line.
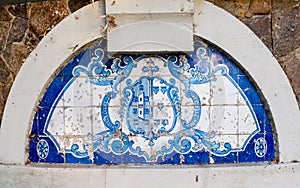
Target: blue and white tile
[78, 121]
[82, 59]
[192, 115]
[56, 124]
[99, 92]
[205, 122]
[62, 140]
[160, 94]
[243, 140]
[242, 101]
[223, 91]
[224, 119]
[143, 64]
[79, 146]
[115, 114]
[47, 151]
[52, 95]
[79, 93]
[60, 103]
[97, 122]
[162, 144]
[203, 91]
[143, 144]
[247, 122]
[249, 90]
[262, 118]
[230, 139]
[163, 117]
[159, 67]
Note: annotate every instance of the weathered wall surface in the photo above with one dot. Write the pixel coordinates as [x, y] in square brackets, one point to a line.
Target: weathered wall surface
[22, 26]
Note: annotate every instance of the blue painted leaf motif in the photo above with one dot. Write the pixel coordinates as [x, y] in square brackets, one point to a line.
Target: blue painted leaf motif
[155, 89]
[165, 122]
[156, 121]
[163, 89]
[160, 105]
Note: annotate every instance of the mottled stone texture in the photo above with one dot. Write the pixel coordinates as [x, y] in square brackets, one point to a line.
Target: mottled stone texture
[77, 4]
[258, 7]
[286, 39]
[261, 25]
[4, 14]
[286, 26]
[237, 8]
[44, 16]
[22, 26]
[291, 66]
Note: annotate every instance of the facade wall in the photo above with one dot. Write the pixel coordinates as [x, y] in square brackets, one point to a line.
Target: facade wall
[206, 176]
[22, 26]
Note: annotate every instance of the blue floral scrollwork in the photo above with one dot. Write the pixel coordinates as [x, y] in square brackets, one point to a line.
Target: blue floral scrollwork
[148, 89]
[137, 107]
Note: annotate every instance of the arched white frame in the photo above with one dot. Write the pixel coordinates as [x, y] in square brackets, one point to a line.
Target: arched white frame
[211, 23]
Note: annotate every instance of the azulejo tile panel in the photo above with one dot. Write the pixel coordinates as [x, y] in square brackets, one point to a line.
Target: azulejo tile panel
[197, 108]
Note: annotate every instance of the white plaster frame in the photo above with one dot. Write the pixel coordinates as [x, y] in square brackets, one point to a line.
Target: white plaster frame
[211, 23]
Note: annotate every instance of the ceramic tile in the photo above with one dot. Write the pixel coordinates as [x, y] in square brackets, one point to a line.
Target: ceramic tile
[270, 147]
[97, 122]
[241, 100]
[101, 92]
[224, 119]
[230, 158]
[172, 158]
[146, 151]
[63, 140]
[261, 116]
[268, 127]
[78, 94]
[128, 158]
[33, 155]
[35, 125]
[81, 59]
[71, 159]
[246, 121]
[243, 140]
[248, 88]
[45, 151]
[218, 58]
[53, 93]
[143, 67]
[226, 139]
[255, 149]
[165, 91]
[78, 149]
[203, 91]
[204, 123]
[78, 121]
[191, 158]
[151, 109]
[106, 158]
[42, 119]
[223, 91]
[57, 123]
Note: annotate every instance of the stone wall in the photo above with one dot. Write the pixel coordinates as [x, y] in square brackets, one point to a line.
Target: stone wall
[22, 26]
